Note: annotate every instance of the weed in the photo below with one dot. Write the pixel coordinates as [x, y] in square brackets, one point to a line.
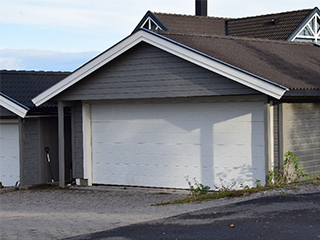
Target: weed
[258, 183]
[197, 189]
[290, 172]
[225, 187]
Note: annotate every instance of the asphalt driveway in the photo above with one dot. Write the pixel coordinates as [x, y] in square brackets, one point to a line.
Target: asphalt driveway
[283, 217]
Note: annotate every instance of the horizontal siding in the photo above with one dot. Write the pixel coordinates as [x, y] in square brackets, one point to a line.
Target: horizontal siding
[31, 151]
[147, 72]
[49, 131]
[302, 134]
[276, 135]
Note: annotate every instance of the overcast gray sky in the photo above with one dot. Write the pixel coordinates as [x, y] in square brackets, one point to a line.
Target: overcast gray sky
[64, 34]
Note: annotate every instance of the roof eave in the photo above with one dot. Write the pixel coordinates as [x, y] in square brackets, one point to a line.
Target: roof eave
[13, 106]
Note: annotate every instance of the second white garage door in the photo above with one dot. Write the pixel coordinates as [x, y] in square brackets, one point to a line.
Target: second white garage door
[9, 152]
[159, 145]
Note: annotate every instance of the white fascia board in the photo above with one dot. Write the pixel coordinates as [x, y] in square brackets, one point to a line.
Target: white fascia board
[13, 107]
[172, 47]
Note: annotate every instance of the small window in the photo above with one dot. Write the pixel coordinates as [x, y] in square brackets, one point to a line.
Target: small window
[151, 25]
[310, 32]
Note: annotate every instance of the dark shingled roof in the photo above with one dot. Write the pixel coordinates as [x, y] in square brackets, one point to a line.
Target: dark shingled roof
[192, 24]
[22, 86]
[290, 64]
[277, 26]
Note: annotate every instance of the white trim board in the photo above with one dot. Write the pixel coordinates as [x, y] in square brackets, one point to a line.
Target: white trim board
[13, 107]
[172, 47]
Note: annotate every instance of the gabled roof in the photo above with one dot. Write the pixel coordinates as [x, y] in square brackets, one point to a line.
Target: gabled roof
[290, 64]
[278, 26]
[175, 47]
[192, 24]
[308, 28]
[184, 23]
[19, 87]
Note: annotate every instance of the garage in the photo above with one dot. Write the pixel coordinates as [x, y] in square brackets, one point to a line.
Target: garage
[159, 144]
[9, 154]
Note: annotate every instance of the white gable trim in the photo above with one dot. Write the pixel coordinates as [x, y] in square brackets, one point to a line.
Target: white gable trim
[172, 47]
[13, 107]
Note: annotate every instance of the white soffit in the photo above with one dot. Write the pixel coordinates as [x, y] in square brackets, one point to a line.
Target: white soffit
[13, 107]
[172, 47]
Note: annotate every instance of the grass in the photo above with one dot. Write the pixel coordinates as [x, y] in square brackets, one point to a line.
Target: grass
[228, 193]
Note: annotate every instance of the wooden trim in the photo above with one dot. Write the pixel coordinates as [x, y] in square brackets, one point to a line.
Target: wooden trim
[87, 151]
[281, 133]
[21, 151]
[267, 137]
[61, 144]
[12, 107]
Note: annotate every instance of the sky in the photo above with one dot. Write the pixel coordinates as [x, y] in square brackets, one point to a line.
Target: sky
[62, 35]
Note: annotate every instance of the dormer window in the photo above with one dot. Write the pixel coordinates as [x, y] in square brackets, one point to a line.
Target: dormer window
[151, 25]
[310, 32]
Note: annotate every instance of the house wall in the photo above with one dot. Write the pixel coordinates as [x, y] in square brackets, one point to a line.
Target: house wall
[148, 72]
[301, 134]
[38, 134]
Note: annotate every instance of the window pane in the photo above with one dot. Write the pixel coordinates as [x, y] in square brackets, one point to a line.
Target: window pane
[312, 24]
[306, 32]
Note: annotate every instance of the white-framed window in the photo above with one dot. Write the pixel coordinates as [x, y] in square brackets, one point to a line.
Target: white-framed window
[151, 25]
[310, 31]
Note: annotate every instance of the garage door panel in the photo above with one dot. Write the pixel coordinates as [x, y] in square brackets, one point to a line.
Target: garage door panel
[9, 154]
[160, 144]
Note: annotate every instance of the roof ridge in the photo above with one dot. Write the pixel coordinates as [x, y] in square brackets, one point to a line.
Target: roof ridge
[32, 71]
[187, 15]
[228, 18]
[272, 14]
[234, 38]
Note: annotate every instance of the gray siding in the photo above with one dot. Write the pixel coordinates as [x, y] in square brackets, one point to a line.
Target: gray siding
[78, 143]
[301, 129]
[49, 134]
[31, 152]
[38, 134]
[148, 72]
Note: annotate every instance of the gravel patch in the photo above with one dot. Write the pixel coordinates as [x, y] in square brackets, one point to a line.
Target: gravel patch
[61, 213]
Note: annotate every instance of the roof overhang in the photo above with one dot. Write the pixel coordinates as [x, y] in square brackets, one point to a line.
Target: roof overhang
[250, 80]
[13, 106]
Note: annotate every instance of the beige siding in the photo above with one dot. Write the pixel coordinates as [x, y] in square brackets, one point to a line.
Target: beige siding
[301, 129]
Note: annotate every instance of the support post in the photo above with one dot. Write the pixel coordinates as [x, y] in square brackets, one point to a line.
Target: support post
[61, 145]
[86, 128]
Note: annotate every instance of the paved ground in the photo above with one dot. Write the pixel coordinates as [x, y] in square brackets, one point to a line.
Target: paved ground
[284, 217]
[57, 214]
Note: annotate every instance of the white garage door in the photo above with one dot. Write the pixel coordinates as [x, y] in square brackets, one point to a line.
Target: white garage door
[160, 144]
[9, 153]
